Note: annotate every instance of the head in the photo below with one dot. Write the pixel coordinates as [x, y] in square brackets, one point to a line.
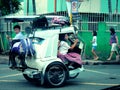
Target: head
[112, 31]
[17, 29]
[63, 37]
[94, 33]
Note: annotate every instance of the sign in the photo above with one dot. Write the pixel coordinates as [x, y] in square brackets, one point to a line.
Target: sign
[74, 6]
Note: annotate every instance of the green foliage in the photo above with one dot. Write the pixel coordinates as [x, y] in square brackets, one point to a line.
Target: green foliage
[9, 6]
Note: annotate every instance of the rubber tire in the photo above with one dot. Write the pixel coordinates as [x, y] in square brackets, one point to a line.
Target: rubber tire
[47, 80]
[74, 76]
[28, 78]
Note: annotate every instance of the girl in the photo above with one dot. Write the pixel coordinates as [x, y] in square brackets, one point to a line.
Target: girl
[113, 42]
[94, 45]
[64, 47]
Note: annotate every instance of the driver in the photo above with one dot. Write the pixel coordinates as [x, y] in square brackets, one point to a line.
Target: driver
[15, 42]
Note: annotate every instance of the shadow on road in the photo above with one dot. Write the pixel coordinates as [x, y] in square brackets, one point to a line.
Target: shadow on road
[113, 88]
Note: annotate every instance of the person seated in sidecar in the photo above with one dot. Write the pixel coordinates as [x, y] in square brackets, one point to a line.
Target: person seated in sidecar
[71, 53]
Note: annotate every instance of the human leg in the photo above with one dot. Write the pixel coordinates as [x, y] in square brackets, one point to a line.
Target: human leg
[94, 53]
[12, 59]
[113, 49]
[111, 54]
[22, 58]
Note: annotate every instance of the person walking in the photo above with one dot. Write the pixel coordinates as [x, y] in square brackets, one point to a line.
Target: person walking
[94, 45]
[113, 43]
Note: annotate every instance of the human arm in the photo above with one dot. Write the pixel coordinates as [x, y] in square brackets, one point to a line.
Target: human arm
[116, 39]
[93, 40]
[74, 44]
[8, 37]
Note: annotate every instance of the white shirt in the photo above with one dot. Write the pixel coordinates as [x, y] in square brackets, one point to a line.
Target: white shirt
[94, 41]
[63, 49]
[19, 36]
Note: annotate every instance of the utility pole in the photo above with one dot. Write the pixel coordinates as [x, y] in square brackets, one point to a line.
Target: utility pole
[34, 7]
[116, 10]
[55, 6]
[110, 10]
[27, 7]
[10, 2]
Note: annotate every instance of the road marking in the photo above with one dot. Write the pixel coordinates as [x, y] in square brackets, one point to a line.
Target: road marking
[4, 68]
[10, 81]
[12, 75]
[100, 84]
[101, 72]
[86, 83]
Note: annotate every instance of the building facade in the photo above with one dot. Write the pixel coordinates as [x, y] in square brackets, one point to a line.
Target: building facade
[96, 15]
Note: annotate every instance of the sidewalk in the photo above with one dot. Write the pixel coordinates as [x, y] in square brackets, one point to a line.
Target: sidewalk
[4, 60]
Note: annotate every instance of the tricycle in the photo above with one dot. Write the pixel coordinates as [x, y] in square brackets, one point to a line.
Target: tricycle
[45, 67]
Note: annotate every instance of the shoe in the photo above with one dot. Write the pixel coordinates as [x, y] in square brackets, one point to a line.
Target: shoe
[13, 67]
[96, 58]
[24, 67]
[108, 59]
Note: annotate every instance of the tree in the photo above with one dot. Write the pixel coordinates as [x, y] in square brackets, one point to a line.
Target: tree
[9, 6]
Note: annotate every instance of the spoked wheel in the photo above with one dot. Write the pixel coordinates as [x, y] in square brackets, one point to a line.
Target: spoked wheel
[56, 74]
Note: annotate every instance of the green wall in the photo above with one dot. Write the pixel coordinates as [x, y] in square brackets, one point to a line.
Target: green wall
[103, 37]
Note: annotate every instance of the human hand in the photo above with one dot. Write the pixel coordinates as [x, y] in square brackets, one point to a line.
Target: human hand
[8, 37]
[76, 40]
[118, 46]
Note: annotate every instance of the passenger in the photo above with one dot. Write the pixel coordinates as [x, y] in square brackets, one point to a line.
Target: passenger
[15, 42]
[64, 47]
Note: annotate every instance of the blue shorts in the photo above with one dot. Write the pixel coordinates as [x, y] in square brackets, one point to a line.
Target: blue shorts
[94, 47]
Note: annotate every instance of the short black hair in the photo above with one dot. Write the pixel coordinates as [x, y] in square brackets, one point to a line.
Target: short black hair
[112, 30]
[94, 33]
[62, 37]
[16, 26]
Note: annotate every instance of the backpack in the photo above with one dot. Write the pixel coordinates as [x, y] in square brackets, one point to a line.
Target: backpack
[27, 47]
[24, 46]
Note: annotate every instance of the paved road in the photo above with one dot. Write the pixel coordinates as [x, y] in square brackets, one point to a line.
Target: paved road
[95, 77]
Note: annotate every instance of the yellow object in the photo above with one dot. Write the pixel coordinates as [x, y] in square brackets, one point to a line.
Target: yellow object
[71, 18]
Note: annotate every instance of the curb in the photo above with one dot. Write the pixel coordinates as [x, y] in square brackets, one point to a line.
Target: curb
[4, 59]
[99, 62]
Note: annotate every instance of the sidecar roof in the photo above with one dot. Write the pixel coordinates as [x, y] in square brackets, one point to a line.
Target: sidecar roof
[50, 32]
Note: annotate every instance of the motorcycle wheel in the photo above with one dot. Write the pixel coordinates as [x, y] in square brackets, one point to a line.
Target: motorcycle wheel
[56, 74]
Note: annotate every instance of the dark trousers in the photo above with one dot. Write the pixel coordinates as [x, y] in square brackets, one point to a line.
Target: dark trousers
[21, 57]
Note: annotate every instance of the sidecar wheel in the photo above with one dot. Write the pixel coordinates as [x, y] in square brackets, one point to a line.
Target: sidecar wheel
[73, 76]
[55, 74]
[28, 78]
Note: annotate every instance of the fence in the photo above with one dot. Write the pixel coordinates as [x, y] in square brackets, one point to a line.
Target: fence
[86, 23]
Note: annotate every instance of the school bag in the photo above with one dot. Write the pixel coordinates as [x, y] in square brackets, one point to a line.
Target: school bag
[24, 46]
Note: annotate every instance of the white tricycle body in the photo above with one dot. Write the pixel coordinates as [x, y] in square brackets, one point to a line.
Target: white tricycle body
[45, 67]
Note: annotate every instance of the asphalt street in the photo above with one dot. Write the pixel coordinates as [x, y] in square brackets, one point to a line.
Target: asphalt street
[95, 77]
